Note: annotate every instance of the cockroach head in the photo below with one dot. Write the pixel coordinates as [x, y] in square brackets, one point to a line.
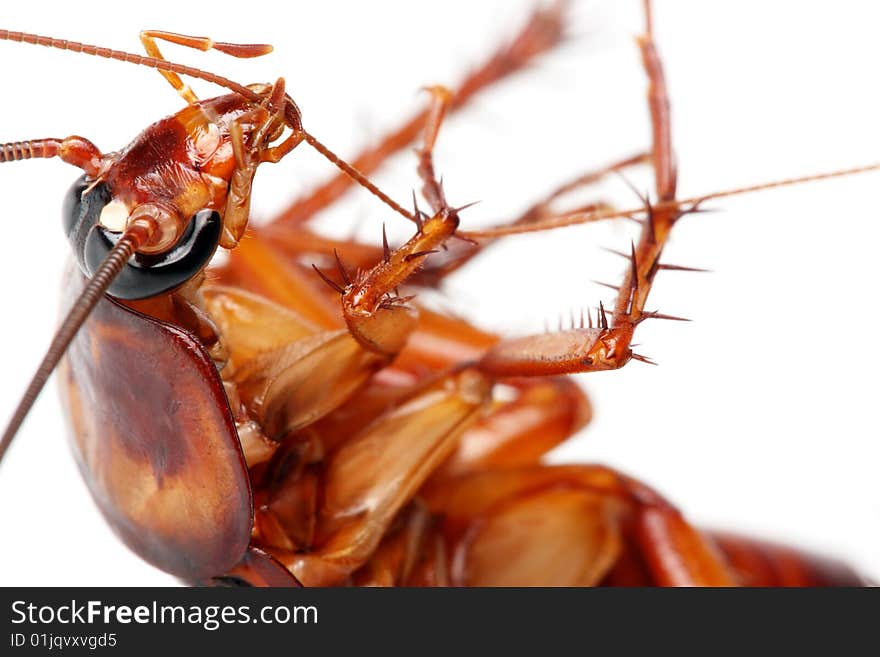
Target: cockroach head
[85, 211]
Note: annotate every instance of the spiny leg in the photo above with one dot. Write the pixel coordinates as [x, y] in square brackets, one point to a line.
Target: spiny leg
[542, 32]
[257, 265]
[432, 187]
[373, 311]
[607, 345]
[645, 258]
[376, 315]
[602, 347]
[433, 192]
[379, 320]
[149, 37]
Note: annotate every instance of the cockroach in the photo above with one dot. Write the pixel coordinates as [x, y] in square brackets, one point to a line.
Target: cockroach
[296, 415]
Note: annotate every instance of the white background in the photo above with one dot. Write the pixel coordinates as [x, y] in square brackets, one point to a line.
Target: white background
[762, 414]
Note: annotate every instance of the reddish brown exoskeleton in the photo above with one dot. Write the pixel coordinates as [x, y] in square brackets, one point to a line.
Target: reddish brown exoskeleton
[279, 425]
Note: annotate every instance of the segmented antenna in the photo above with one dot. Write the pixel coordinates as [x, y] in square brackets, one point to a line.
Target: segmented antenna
[109, 269]
[291, 115]
[356, 175]
[691, 205]
[131, 58]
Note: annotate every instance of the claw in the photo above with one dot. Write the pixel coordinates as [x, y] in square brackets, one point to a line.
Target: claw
[603, 318]
[657, 315]
[341, 268]
[417, 214]
[634, 269]
[461, 208]
[386, 251]
[418, 254]
[329, 281]
[643, 359]
[683, 268]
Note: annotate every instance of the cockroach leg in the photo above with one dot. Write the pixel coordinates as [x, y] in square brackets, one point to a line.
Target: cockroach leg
[676, 553]
[363, 494]
[375, 315]
[645, 256]
[271, 263]
[658, 102]
[761, 563]
[148, 40]
[518, 432]
[448, 414]
[402, 549]
[432, 188]
[607, 346]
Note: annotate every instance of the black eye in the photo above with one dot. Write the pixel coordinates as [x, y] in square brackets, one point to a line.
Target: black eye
[145, 275]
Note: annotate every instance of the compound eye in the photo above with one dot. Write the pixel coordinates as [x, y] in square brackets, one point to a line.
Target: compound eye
[90, 221]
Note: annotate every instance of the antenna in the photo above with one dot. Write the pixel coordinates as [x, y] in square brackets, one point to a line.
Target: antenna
[135, 235]
[577, 218]
[163, 65]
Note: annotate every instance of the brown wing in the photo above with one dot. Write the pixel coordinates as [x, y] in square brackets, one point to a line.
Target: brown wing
[155, 440]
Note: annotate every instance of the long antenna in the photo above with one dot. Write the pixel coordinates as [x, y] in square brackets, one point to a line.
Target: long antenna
[577, 218]
[131, 58]
[173, 67]
[356, 175]
[76, 316]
